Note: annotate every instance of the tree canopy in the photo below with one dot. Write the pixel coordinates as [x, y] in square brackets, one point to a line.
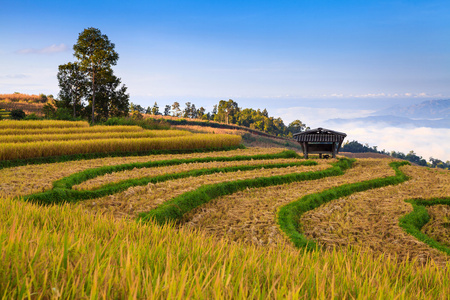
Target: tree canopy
[92, 79]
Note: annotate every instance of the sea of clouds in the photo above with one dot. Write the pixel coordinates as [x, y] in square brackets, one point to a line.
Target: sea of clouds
[424, 141]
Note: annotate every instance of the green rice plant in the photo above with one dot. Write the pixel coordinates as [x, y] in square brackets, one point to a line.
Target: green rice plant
[413, 222]
[289, 215]
[174, 209]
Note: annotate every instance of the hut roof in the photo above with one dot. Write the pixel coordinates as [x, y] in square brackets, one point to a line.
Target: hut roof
[320, 135]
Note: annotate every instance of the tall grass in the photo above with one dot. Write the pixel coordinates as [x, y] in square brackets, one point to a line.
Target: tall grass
[62, 252]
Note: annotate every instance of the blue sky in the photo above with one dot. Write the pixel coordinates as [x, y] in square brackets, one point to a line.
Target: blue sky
[356, 56]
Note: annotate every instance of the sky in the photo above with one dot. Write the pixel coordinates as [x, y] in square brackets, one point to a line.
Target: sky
[308, 60]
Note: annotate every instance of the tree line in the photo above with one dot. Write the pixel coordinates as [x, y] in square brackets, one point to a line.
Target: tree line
[227, 112]
[356, 147]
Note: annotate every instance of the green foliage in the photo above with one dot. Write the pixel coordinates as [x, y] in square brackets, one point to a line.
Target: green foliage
[73, 84]
[355, 147]
[289, 214]
[17, 114]
[32, 116]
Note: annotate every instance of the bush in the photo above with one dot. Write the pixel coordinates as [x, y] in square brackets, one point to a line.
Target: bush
[17, 114]
[32, 116]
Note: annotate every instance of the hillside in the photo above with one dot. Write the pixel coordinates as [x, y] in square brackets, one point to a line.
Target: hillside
[235, 223]
[28, 103]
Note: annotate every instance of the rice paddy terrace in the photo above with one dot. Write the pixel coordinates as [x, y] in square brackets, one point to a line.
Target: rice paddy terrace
[245, 223]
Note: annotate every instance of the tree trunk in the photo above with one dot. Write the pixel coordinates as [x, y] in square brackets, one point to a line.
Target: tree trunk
[93, 96]
[74, 104]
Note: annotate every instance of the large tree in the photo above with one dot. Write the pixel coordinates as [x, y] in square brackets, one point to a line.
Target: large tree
[96, 54]
[73, 84]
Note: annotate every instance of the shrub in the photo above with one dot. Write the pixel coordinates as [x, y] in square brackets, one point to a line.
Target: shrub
[17, 114]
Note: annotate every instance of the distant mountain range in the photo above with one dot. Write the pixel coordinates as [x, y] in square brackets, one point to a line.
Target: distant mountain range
[432, 109]
[432, 113]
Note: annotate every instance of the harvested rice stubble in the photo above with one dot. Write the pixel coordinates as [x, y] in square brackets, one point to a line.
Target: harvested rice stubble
[24, 180]
[153, 172]
[370, 219]
[145, 198]
[438, 227]
[250, 216]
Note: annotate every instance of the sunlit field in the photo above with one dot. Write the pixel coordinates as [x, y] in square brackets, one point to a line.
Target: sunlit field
[229, 223]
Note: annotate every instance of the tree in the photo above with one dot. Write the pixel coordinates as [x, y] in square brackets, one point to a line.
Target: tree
[296, 126]
[167, 110]
[73, 84]
[187, 110]
[176, 111]
[155, 109]
[201, 112]
[112, 99]
[95, 53]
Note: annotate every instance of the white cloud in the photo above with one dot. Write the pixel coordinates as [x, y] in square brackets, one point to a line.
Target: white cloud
[46, 50]
[424, 141]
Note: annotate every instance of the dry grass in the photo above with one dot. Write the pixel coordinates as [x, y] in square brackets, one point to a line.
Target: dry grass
[24, 180]
[140, 199]
[370, 219]
[250, 216]
[20, 98]
[438, 227]
[203, 129]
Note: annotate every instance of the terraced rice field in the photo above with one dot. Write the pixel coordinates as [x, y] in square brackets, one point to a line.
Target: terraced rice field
[38, 139]
[131, 188]
[382, 219]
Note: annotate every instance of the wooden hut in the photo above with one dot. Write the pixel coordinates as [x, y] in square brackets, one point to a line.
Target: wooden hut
[321, 141]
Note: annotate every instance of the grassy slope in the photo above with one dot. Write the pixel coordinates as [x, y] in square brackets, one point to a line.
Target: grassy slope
[60, 251]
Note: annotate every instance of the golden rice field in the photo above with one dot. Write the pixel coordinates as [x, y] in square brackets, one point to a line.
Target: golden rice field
[98, 246]
[20, 140]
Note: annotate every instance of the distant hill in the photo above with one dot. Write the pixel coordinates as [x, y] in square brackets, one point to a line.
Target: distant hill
[432, 113]
[431, 109]
[394, 121]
